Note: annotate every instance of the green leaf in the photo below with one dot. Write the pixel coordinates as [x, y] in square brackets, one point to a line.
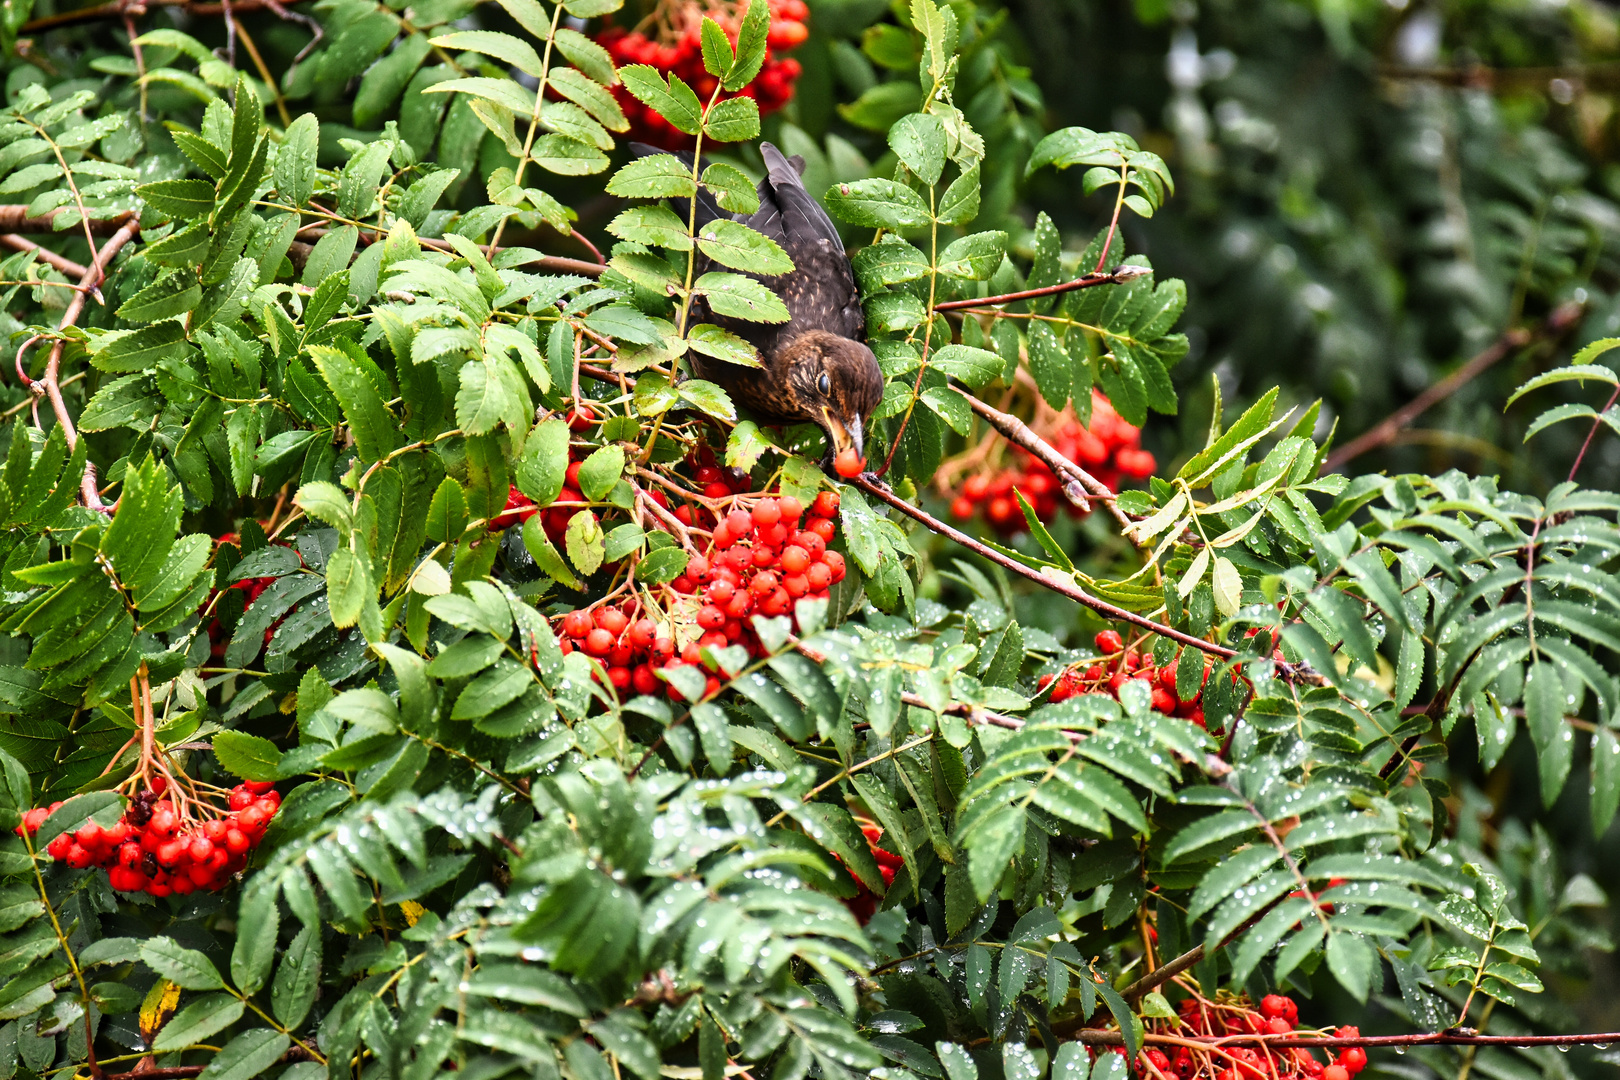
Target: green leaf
[741, 298]
[717, 54]
[673, 100]
[514, 51]
[975, 367]
[247, 1055]
[918, 140]
[653, 225]
[348, 587]
[297, 977]
[751, 42]
[179, 200]
[585, 542]
[1353, 961]
[374, 428]
[974, 257]
[247, 756]
[197, 1021]
[732, 120]
[661, 176]
[599, 472]
[186, 968]
[733, 244]
[878, 204]
[711, 340]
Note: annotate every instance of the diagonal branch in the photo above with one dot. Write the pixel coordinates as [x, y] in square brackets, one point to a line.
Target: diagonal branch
[1118, 277]
[1385, 432]
[1061, 586]
[1079, 482]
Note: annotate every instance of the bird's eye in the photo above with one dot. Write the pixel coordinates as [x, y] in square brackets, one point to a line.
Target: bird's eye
[824, 384]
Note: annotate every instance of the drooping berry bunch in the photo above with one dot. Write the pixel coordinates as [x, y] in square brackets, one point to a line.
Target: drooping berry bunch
[761, 561]
[1228, 1015]
[1120, 665]
[160, 847]
[1109, 449]
[671, 41]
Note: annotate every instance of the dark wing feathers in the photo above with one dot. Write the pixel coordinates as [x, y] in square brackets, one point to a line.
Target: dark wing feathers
[820, 293]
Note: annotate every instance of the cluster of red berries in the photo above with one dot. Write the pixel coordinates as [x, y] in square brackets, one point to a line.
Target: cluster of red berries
[676, 46]
[1110, 449]
[864, 904]
[1277, 1015]
[154, 849]
[1120, 665]
[251, 589]
[762, 561]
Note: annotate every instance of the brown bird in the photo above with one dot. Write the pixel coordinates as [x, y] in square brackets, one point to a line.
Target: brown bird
[816, 367]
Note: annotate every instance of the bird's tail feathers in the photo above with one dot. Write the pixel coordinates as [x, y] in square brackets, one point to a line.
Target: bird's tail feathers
[780, 168]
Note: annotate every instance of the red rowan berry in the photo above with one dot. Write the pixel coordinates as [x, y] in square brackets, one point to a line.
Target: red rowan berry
[819, 575]
[612, 620]
[824, 528]
[740, 522]
[1109, 641]
[792, 509]
[598, 642]
[576, 624]
[826, 504]
[1335, 1072]
[835, 564]
[767, 512]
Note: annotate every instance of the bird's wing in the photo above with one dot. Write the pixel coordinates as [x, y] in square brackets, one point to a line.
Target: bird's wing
[707, 209]
[821, 292]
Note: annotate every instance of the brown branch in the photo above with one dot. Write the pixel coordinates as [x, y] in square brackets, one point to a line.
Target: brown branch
[1168, 971]
[1449, 1037]
[1385, 432]
[120, 8]
[1587, 442]
[1118, 277]
[44, 255]
[49, 383]
[15, 219]
[1296, 672]
[298, 254]
[1021, 434]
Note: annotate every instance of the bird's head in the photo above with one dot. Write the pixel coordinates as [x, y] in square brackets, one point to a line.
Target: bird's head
[836, 383]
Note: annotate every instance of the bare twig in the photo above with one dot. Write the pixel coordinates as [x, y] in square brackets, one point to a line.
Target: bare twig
[1587, 442]
[1063, 587]
[1021, 434]
[1560, 320]
[1117, 277]
[1450, 1037]
[49, 384]
[15, 219]
[44, 255]
[117, 9]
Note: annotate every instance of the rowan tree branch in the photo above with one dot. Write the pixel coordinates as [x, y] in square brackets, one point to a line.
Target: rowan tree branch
[1293, 672]
[49, 383]
[1117, 277]
[1080, 482]
[118, 9]
[43, 254]
[15, 219]
[1562, 318]
[1110, 1037]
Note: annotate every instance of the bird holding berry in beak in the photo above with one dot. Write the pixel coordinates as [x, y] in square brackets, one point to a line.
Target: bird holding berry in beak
[816, 367]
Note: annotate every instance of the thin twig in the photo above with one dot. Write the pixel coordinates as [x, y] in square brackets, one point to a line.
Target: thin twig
[1294, 672]
[15, 219]
[1118, 277]
[49, 384]
[1587, 442]
[1110, 1037]
[117, 9]
[1560, 320]
[44, 255]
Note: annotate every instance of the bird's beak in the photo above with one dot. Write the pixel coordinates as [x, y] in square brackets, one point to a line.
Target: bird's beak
[844, 436]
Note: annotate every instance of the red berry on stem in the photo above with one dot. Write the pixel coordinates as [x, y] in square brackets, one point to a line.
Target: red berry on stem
[848, 463]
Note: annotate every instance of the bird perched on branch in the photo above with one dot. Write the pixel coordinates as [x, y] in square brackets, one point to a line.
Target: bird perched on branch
[816, 367]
